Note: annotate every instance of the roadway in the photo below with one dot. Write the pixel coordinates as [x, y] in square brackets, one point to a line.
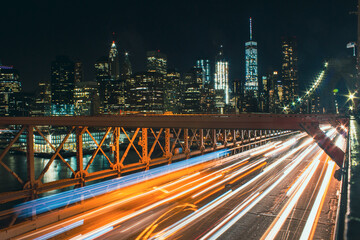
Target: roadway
[282, 190]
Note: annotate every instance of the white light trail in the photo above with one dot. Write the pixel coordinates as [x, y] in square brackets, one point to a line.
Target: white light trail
[58, 231]
[308, 174]
[316, 206]
[288, 155]
[243, 208]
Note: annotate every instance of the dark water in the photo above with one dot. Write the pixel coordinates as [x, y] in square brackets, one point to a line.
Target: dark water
[57, 170]
[354, 218]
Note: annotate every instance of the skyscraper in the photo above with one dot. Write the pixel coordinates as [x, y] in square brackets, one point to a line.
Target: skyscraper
[221, 77]
[289, 71]
[103, 78]
[251, 66]
[156, 62]
[114, 62]
[147, 93]
[42, 105]
[126, 70]
[79, 73]
[173, 91]
[62, 86]
[192, 92]
[86, 98]
[204, 64]
[9, 84]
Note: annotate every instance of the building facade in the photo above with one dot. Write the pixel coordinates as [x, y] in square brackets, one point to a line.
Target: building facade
[204, 65]
[114, 62]
[221, 79]
[156, 62]
[251, 66]
[289, 70]
[62, 86]
[9, 84]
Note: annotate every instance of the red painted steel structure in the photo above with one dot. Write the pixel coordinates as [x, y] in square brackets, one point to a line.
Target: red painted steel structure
[195, 134]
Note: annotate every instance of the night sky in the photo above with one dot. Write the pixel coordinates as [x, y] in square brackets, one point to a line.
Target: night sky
[34, 32]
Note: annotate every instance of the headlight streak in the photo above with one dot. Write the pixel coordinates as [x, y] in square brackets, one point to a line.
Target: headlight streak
[285, 212]
[286, 144]
[57, 231]
[311, 222]
[300, 179]
[273, 165]
[188, 219]
[229, 177]
[58, 200]
[265, 148]
[140, 195]
[111, 205]
[229, 221]
[138, 212]
[93, 234]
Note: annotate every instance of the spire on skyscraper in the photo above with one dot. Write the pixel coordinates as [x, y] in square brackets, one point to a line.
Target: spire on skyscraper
[250, 29]
[114, 62]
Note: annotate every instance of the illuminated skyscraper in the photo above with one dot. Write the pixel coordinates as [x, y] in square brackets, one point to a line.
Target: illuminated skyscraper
[114, 62]
[126, 70]
[42, 105]
[79, 73]
[104, 80]
[289, 69]
[204, 65]
[156, 62]
[62, 86]
[251, 65]
[221, 77]
[9, 84]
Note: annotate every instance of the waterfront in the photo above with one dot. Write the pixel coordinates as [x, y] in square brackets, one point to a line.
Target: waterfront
[57, 170]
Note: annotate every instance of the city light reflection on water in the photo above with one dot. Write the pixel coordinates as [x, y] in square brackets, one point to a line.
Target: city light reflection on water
[57, 170]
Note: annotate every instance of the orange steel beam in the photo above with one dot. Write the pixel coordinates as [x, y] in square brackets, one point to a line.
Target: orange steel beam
[196, 121]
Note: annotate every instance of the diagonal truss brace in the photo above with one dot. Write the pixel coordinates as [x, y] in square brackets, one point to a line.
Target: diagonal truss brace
[334, 152]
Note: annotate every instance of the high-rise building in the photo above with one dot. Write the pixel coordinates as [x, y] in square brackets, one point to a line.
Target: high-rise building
[126, 70]
[86, 98]
[192, 91]
[114, 62]
[251, 66]
[289, 71]
[173, 91]
[156, 62]
[62, 86]
[204, 65]
[9, 84]
[104, 80]
[275, 92]
[78, 72]
[42, 104]
[147, 93]
[20, 104]
[221, 79]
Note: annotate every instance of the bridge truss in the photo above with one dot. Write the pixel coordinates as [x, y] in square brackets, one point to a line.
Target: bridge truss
[154, 139]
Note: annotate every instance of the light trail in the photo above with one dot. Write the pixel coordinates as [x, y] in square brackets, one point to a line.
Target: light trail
[279, 221]
[243, 208]
[273, 165]
[265, 149]
[300, 179]
[152, 206]
[229, 177]
[286, 144]
[58, 200]
[60, 230]
[314, 215]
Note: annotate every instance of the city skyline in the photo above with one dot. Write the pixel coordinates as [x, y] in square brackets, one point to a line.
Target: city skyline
[137, 37]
